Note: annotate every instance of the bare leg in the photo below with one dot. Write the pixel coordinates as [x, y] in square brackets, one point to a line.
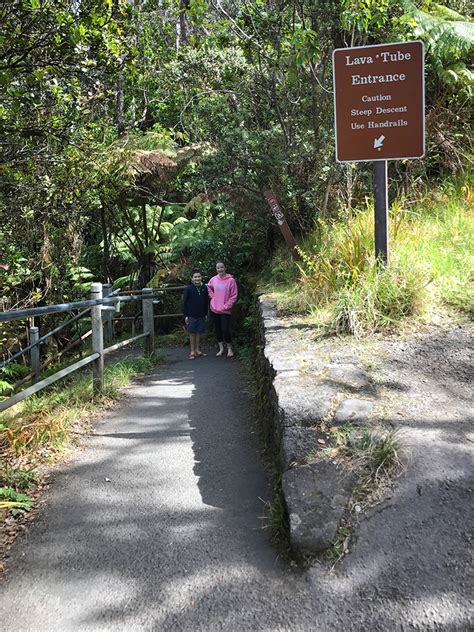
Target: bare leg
[197, 352]
[230, 352]
[192, 344]
[221, 349]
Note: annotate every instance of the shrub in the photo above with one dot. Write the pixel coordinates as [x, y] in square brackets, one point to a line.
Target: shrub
[379, 300]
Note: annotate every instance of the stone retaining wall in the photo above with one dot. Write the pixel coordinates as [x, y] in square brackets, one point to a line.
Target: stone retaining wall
[314, 385]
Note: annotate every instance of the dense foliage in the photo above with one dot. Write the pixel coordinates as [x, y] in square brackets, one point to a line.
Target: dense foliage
[137, 137]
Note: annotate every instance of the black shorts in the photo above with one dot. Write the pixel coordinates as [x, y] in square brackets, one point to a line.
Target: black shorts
[196, 325]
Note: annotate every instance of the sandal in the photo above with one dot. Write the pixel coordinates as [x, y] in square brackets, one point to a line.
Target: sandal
[200, 354]
[192, 357]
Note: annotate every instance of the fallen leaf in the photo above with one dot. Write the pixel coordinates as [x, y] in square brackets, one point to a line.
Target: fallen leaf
[322, 441]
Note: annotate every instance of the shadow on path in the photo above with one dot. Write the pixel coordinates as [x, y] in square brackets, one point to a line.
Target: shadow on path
[162, 508]
[156, 525]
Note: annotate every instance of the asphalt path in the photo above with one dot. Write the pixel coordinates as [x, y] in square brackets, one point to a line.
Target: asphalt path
[156, 525]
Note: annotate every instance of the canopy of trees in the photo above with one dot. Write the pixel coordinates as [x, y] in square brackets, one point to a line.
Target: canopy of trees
[138, 135]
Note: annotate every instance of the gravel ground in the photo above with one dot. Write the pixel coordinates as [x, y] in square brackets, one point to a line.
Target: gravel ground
[413, 553]
[156, 524]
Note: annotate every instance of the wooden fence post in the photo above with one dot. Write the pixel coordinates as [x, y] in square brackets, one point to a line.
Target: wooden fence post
[35, 354]
[97, 339]
[148, 321]
[108, 315]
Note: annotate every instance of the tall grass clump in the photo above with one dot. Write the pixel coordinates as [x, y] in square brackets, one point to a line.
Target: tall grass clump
[431, 264]
[375, 458]
[380, 300]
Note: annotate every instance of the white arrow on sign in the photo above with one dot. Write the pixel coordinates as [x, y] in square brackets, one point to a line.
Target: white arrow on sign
[378, 142]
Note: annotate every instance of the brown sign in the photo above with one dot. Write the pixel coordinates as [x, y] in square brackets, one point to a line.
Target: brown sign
[379, 101]
[281, 221]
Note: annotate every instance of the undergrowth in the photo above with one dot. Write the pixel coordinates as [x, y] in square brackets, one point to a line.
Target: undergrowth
[337, 281]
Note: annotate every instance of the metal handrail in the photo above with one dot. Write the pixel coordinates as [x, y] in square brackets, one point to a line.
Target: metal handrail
[42, 339]
[19, 314]
[157, 289]
[15, 399]
[97, 309]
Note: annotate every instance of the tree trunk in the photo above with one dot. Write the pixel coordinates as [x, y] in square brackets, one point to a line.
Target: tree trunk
[183, 5]
[181, 28]
[120, 119]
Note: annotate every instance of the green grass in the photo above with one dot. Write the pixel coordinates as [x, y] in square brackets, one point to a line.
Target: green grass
[339, 547]
[443, 238]
[337, 282]
[45, 418]
[275, 519]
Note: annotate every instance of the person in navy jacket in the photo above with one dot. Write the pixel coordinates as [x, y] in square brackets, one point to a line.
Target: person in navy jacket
[195, 310]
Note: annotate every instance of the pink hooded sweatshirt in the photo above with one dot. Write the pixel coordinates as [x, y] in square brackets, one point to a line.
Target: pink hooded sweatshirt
[223, 293]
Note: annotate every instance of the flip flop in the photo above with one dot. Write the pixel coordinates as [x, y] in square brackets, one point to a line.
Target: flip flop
[192, 357]
[200, 354]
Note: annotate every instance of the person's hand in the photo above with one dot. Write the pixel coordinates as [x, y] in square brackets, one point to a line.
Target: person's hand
[186, 320]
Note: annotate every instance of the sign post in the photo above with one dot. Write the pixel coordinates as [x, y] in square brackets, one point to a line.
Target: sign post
[281, 221]
[381, 211]
[379, 101]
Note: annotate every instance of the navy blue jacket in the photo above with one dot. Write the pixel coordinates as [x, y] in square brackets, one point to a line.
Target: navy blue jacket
[195, 301]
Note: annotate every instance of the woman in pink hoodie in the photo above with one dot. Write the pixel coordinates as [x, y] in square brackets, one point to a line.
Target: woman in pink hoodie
[222, 290]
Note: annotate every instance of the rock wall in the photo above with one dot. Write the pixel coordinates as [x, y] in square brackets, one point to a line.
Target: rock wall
[314, 386]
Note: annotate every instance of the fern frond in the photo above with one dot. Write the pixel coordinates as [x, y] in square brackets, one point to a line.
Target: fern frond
[448, 39]
[445, 13]
[459, 76]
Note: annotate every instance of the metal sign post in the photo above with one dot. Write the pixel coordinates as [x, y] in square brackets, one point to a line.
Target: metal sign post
[379, 102]
[381, 211]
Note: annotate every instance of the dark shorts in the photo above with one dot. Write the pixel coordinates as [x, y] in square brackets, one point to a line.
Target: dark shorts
[196, 325]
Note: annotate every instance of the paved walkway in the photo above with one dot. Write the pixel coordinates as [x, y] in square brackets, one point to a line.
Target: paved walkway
[156, 525]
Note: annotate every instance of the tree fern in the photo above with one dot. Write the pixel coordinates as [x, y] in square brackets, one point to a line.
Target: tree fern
[449, 38]
[440, 11]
